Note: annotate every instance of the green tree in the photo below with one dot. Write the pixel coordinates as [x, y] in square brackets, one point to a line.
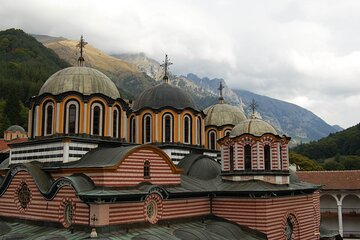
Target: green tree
[304, 163]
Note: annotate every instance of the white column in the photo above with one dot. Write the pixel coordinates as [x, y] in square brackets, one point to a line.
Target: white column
[57, 129]
[66, 152]
[340, 220]
[341, 230]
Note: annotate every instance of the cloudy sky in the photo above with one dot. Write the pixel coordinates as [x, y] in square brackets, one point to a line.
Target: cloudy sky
[304, 52]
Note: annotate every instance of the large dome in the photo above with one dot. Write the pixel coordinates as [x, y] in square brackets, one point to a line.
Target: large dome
[254, 126]
[84, 80]
[223, 114]
[164, 95]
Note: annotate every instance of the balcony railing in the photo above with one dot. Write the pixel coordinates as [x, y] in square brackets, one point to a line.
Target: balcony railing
[344, 210]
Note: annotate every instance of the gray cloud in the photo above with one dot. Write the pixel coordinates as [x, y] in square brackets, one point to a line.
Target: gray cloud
[305, 52]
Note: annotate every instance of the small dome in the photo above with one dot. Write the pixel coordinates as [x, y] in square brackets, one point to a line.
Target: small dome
[200, 167]
[164, 95]
[15, 128]
[84, 80]
[254, 126]
[222, 114]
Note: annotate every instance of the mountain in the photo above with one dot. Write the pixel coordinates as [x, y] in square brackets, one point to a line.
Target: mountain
[338, 151]
[128, 79]
[290, 119]
[202, 97]
[25, 64]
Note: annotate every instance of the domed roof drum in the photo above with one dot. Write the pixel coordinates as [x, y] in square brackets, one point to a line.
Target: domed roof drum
[223, 114]
[84, 80]
[164, 95]
[254, 126]
[15, 128]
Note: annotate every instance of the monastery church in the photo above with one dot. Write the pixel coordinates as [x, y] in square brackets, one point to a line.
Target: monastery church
[97, 161]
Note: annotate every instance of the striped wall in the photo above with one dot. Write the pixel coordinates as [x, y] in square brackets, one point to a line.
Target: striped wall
[131, 171]
[189, 207]
[269, 215]
[278, 148]
[40, 209]
[131, 212]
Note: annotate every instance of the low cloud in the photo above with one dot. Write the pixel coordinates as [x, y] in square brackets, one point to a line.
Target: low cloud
[305, 52]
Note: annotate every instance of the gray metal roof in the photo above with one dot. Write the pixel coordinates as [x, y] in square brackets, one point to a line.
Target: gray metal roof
[164, 95]
[101, 157]
[211, 228]
[84, 80]
[223, 114]
[200, 166]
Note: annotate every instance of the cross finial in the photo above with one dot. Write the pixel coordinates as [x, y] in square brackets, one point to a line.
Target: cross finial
[166, 65]
[221, 87]
[253, 105]
[81, 45]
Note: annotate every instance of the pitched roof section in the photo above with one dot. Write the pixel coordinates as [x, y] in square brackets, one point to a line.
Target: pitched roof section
[4, 145]
[332, 180]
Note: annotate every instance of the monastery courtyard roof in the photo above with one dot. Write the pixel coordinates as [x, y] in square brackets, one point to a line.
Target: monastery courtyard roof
[332, 180]
[195, 229]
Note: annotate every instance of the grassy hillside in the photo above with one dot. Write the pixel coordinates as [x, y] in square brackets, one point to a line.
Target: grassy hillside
[25, 64]
[126, 76]
[339, 150]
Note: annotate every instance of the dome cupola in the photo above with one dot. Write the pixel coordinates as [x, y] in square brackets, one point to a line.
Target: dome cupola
[164, 95]
[80, 79]
[223, 114]
[253, 126]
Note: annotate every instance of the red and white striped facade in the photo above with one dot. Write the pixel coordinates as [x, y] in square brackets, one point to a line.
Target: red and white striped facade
[267, 215]
[279, 158]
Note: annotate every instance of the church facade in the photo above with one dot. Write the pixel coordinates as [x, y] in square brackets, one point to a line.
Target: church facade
[96, 161]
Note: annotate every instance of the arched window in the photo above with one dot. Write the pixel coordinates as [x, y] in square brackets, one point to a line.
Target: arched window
[267, 157]
[247, 157]
[147, 129]
[227, 132]
[168, 126]
[187, 129]
[97, 119]
[231, 158]
[116, 123]
[146, 169]
[132, 130]
[72, 118]
[199, 131]
[212, 140]
[48, 119]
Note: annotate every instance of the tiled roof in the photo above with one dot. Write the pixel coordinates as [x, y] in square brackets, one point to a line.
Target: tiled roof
[332, 180]
[4, 145]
